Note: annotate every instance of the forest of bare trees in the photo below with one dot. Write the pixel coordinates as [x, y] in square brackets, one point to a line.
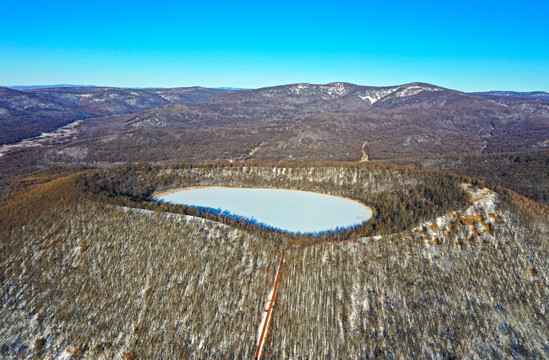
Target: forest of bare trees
[92, 268]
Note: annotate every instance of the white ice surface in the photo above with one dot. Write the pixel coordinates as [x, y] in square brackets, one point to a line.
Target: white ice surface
[290, 210]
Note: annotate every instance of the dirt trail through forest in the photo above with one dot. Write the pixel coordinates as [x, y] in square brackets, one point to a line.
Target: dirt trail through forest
[364, 154]
[271, 302]
[270, 308]
[490, 134]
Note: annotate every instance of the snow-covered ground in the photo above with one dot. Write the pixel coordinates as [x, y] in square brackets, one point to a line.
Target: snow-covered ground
[476, 221]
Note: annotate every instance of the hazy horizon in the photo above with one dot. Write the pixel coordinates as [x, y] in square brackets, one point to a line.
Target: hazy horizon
[33, 86]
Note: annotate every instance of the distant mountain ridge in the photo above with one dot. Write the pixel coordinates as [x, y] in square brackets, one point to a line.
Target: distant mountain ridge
[311, 122]
[536, 102]
[33, 87]
[341, 92]
[231, 88]
[531, 94]
[27, 113]
[538, 94]
[297, 122]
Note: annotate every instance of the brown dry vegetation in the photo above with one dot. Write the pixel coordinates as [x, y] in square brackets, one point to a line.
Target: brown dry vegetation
[30, 112]
[400, 197]
[527, 173]
[84, 276]
[109, 280]
[398, 297]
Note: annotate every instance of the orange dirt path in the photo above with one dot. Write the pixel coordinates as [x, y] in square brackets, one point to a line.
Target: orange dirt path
[270, 309]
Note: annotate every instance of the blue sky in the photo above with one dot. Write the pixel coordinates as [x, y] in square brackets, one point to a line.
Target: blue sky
[465, 45]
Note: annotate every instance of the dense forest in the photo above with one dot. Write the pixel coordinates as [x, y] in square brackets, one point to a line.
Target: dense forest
[91, 267]
[527, 173]
[400, 197]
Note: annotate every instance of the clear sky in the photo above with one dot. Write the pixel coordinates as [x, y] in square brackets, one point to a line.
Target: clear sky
[464, 45]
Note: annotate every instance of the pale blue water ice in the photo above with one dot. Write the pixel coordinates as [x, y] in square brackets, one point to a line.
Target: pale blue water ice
[288, 210]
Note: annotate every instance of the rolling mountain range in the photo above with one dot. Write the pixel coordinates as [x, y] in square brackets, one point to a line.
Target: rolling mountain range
[307, 122]
[533, 102]
[296, 122]
[28, 113]
[516, 94]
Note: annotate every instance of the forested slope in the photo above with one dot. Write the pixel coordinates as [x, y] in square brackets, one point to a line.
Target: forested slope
[91, 280]
[527, 173]
[88, 272]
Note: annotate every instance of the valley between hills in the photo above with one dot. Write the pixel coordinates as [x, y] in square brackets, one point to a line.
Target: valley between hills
[454, 262]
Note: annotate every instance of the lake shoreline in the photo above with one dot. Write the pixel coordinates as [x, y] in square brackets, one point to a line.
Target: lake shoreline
[289, 210]
[157, 194]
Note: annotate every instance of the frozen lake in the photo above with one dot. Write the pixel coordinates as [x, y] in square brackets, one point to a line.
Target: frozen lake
[289, 210]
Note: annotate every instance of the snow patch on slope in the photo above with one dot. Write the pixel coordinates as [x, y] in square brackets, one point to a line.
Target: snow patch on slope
[373, 96]
[414, 90]
[336, 89]
[467, 226]
[297, 89]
